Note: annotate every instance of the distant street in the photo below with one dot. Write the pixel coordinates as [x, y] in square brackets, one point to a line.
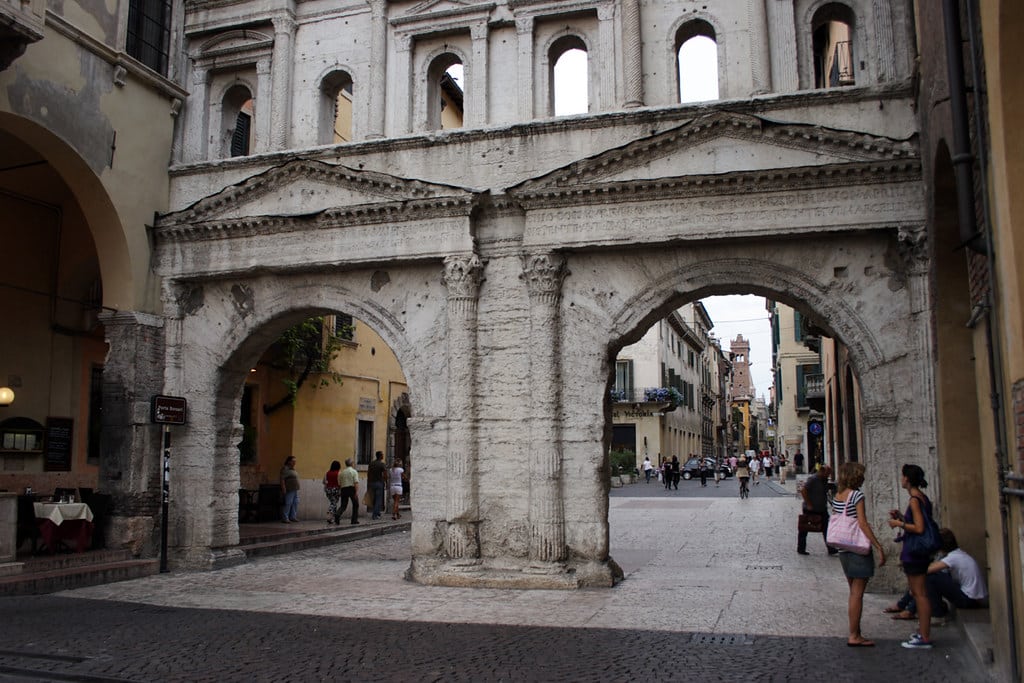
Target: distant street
[714, 591]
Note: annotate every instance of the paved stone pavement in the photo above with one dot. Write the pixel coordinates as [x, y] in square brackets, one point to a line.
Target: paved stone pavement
[713, 592]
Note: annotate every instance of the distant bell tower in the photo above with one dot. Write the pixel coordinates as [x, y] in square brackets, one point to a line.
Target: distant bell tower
[742, 387]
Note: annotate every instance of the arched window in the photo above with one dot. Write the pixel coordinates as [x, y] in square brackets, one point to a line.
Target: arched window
[237, 121]
[569, 77]
[445, 93]
[336, 109]
[697, 62]
[832, 31]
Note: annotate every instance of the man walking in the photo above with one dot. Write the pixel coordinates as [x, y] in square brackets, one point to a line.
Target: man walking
[349, 480]
[375, 475]
[815, 495]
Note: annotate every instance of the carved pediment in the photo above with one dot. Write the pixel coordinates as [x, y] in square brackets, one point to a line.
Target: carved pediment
[723, 144]
[305, 188]
[432, 6]
[233, 41]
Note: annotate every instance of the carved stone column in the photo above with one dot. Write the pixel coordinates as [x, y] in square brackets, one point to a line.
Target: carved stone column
[376, 89]
[129, 444]
[264, 88]
[781, 19]
[462, 276]
[760, 62]
[606, 96]
[197, 119]
[281, 94]
[885, 47]
[544, 274]
[632, 54]
[476, 111]
[524, 86]
[403, 90]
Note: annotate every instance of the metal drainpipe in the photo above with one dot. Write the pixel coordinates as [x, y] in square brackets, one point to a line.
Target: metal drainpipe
[961, 129]
[963, 158]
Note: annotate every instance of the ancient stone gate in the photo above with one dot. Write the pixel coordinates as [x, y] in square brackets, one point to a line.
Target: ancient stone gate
[509, 304]
[522, 251]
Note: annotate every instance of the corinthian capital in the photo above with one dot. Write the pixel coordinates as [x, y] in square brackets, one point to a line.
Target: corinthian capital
[544, 274]
[913, 245]
[463, 274]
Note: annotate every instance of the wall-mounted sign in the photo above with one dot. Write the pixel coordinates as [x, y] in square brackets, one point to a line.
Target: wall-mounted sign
[58, 441]
[169, 410]
[367, 405]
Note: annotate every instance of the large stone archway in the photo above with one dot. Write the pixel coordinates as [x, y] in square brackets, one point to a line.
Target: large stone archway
[514, 301]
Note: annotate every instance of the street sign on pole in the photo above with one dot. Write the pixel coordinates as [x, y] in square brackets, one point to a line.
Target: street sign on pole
[167, 410]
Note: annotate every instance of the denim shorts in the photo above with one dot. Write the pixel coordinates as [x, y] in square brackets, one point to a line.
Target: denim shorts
[857, 566]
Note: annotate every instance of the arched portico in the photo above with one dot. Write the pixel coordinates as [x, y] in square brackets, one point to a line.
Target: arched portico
[220, 330]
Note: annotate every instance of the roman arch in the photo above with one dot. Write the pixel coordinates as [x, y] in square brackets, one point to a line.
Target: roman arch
[505, 288]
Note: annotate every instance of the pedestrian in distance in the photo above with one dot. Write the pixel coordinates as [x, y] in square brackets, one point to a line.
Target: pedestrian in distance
[349, 481]
[332, 489]
[766, 464]
[743, 474]
[798, 461]
[376, 477]
[815, 502]
[666, 473]
[675, 472]
[914, 521]
[289, 491]
[396, 475]
[754, 463]
[647, 468]
[783, 467]
[849, 501]
[718, 471]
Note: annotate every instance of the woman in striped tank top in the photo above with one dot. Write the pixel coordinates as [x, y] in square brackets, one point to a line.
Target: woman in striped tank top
[849, 500]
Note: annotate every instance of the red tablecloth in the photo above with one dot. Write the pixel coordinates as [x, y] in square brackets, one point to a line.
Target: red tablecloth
[64, 522]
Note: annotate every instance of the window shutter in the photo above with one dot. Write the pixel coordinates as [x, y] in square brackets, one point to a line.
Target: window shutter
[240, 138]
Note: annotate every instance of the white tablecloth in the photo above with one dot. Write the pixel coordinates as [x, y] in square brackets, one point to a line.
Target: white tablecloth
[61, 512]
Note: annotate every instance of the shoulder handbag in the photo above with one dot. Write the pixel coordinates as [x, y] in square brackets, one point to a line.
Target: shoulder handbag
[844, 534]
[810, 522]
[924, 545]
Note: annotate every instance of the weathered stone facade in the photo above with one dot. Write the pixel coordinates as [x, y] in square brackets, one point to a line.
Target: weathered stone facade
[506, 263]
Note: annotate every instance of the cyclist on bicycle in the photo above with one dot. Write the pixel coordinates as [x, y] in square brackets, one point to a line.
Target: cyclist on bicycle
[743, 474]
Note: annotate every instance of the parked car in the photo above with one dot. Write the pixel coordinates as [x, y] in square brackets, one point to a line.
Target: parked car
[691, 468]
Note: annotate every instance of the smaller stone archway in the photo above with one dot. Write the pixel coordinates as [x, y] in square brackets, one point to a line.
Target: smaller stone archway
[226, 329]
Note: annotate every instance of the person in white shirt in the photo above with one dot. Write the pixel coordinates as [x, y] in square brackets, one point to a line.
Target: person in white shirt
[755, 467]
[955, 577]
[647, 468]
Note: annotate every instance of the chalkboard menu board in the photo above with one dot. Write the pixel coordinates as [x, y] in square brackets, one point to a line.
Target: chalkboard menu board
[57, 447]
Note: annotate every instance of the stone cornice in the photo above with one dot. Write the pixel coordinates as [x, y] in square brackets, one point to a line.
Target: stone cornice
[392, 190]
[743, 182]
[116, 58]
[366, 214]
[642, 116]
[842, 145]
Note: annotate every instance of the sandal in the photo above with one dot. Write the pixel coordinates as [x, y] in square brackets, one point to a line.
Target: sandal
[860, 643]
[892, 609]
[904, 616]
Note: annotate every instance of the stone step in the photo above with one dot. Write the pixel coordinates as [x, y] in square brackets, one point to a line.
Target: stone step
[262, 546]
[45, 563]
[77, 576]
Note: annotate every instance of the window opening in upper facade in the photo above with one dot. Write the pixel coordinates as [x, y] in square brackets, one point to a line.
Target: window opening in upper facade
[237, 115]
[833, 46]
[697, 62]
[445, 93]
[336, 109]
[569, 76]
[149, 33]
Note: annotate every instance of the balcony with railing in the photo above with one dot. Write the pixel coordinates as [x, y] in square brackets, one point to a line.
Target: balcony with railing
[814, 391]
[668, 396]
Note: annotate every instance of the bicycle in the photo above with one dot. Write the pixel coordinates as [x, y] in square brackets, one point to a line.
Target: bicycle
[744, 488]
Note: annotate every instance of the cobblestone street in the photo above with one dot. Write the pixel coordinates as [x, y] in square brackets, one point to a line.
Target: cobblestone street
[714, 591]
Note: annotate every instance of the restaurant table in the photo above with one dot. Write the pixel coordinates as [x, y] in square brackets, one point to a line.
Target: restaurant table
[64, 522]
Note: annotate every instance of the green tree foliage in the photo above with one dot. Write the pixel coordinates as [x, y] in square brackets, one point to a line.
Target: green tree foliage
[305, 350]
